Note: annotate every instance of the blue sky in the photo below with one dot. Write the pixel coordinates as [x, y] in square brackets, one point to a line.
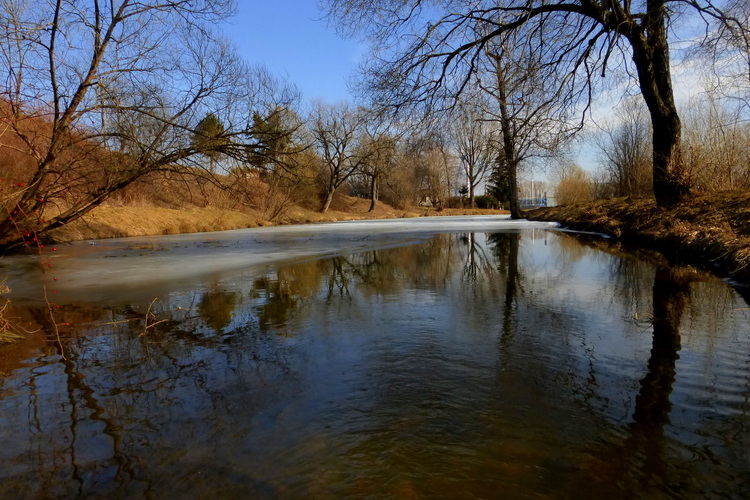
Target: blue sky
[290, 38]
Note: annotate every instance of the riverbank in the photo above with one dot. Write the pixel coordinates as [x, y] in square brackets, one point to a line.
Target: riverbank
[118, 221]
[711, 231]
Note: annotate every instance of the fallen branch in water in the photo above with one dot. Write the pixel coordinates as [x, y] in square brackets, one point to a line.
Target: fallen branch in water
[150, 315]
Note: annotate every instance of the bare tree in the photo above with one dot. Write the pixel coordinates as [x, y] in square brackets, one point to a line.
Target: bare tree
[98, 94]
[527, 106]
[474, 138]
[717, 143]
[509, 157]
[380, 151]
[625, 151]
[337, 132]
[428, 52]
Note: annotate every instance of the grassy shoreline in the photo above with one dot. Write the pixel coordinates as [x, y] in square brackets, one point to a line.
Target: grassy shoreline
[118, 221]
[711, 231]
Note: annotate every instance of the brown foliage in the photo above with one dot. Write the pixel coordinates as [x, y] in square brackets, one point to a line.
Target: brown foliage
[574, 186]
[77, 170]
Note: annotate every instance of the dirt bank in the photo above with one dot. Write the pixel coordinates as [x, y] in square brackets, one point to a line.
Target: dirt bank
[116, 221]
[711, 231]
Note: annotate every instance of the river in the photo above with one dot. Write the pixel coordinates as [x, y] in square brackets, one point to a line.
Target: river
[471, 357]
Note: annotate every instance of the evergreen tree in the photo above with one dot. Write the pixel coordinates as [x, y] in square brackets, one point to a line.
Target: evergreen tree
[497, 185]
[209, 138]
[273, 137]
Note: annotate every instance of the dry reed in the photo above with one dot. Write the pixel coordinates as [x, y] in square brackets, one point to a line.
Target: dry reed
[9, 332]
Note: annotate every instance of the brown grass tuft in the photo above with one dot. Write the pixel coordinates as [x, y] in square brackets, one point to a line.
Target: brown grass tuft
[9, 332]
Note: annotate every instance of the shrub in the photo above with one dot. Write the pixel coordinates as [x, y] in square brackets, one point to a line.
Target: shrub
[574, 186]
[486, 201]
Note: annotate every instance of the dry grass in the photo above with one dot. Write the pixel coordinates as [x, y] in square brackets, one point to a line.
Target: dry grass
[143, 219]
[711, 231]
[121, 221]
[8, 331]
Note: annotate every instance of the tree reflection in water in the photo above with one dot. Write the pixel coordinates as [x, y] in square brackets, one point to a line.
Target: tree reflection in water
[646, 444]
[505, 248]
[216, 308]
[468, 365]
[671, 294]
[644, 460]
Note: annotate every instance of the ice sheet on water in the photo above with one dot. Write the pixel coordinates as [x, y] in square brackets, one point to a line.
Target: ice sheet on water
[110, 266]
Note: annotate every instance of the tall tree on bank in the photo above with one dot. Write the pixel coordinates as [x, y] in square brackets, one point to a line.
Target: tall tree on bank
[429, 51]
[337, 134]
[99, 94]
[508, 157]
[473, 138]
[531, 114]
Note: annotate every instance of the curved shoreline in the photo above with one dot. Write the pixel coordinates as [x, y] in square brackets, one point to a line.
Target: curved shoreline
[711, 232]
[125, 221]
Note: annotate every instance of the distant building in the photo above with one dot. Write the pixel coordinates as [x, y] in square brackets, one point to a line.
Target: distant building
[542, 201]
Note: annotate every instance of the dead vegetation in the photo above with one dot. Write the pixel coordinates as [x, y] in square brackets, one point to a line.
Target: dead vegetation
[711, 231]
[9, 332]
[170, 203]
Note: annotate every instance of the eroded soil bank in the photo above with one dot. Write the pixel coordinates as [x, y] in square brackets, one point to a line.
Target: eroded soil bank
[711, 231]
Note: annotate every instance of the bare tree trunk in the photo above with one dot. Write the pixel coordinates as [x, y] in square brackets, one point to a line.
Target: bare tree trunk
[513, 201]
[337, 131]
[651, 57]
[671, 183]
[374, 187]
[328, 200]
[508, 146]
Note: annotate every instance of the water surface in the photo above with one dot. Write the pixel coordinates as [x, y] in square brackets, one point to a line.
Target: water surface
[495, 363]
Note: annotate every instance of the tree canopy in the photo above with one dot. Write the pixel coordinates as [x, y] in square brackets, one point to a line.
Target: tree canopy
[99, 94]
[428, 52]
[209, 137]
